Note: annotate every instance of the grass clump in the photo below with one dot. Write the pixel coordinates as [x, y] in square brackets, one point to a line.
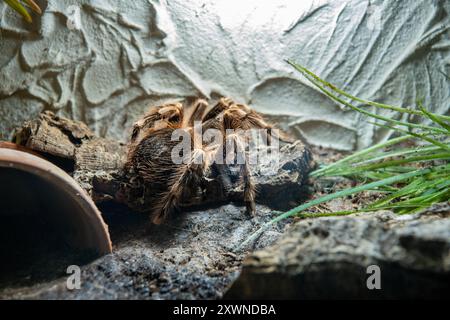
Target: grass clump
[410, 171]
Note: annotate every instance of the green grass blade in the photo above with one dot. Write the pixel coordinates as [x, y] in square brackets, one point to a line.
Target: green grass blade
[433, 117]
[367, 113]
[339, 194]
[393, 154]
[367, 102]
[359, 154]
[386, 164]
[33, 6]
[416, 135]
[17, 6]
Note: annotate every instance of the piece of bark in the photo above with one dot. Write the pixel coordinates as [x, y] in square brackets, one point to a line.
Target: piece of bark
[329, 258]
[98, 165]
[53, 135]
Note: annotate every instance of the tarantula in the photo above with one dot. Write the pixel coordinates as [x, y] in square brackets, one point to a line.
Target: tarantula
[151, 144]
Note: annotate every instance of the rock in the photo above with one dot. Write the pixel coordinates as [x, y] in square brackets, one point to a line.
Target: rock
[327, 258]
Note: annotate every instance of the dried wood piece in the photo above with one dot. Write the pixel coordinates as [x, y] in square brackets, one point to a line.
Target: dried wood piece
[53, 135]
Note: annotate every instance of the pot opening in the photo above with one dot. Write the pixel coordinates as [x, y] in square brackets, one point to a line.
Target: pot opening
[35, 230]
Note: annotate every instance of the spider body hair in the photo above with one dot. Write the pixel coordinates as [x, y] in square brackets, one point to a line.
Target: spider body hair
[151, 145]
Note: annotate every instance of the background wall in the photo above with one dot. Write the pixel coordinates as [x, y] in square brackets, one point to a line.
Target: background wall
[104, 61]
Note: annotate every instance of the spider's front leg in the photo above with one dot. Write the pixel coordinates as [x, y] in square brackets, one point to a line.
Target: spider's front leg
[240, 155]
[183, 181]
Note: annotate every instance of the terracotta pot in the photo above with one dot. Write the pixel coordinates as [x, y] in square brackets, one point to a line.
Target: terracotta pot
[14, 146]
[35, 185]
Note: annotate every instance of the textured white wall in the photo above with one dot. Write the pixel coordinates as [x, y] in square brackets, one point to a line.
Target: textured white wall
[105, 61]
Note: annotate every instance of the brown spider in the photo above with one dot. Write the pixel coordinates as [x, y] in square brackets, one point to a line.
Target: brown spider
[151, 145]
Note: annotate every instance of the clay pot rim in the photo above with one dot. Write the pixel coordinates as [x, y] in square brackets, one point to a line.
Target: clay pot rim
[18, 147]
[24, 161]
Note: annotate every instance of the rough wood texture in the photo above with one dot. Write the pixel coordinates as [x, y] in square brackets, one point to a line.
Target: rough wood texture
[53, 135]
[328, 258]
[98, 165]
